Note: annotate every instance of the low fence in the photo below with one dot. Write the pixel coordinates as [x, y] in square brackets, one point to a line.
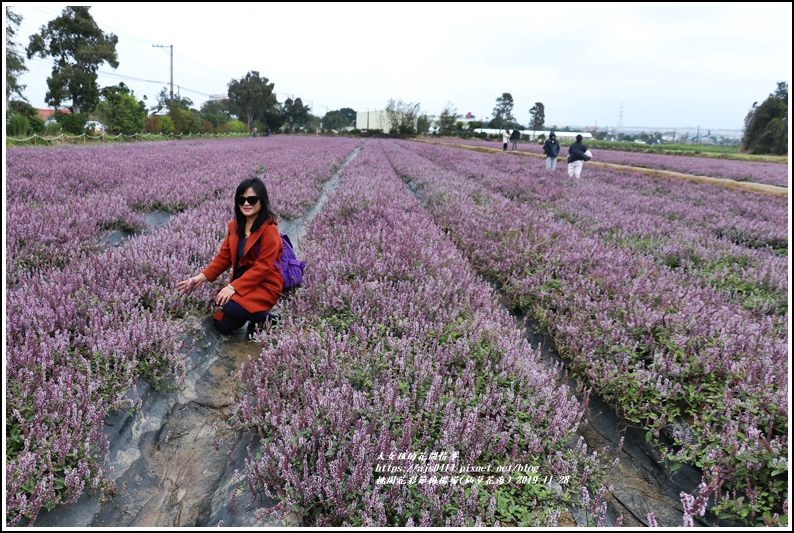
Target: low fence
[103, 137]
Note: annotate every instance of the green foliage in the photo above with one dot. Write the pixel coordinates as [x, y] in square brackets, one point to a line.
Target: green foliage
[338, 120]
[422, 125]
[14, 64]
[235, 126]
[350, 114]
[183, 118]
[538, 116]
[766, 126]
[251, 98]
[36, 125]
[401, 117]
[22, 108]
[446, 120]
[73, 124]
[216, 113]
[119, 110]
[295, 113]
[503, 112]
[78, 47]
[17, 126]
[52, 130]
[165, 125]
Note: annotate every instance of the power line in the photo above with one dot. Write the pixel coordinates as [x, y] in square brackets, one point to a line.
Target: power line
[135, 39]
[172, 65]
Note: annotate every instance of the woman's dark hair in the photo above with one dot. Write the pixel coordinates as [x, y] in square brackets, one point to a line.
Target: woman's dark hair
[265, 215]
[579, 138]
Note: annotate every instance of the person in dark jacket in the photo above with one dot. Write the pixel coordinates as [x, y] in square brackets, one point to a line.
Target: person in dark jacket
[515, 137]
[576, 157]
[552, 149]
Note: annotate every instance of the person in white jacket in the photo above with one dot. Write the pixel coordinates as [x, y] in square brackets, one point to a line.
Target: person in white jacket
[505, 139]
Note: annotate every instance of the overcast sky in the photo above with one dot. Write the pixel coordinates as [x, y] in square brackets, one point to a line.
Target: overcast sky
[663, 65]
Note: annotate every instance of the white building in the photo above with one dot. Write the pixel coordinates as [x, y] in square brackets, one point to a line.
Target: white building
[376, 120]
[372, 120]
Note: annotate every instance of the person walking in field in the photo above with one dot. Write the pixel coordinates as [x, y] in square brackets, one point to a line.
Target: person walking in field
[505, 139]
[251, 248]
[552, 149]
[576, 157]
[515, 137]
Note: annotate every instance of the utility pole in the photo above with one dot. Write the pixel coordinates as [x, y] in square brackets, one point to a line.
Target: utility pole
[171, 46]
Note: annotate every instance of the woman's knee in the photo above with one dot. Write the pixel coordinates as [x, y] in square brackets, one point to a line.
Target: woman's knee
[224, 327]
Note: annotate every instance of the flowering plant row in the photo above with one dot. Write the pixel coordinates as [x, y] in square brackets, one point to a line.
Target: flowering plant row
[757, 172]
[652, 339]
[735, 242]
[61, 199]
[395, 375]
[79, 338]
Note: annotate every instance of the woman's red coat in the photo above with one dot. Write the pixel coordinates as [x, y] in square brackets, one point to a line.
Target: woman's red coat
[260, 287]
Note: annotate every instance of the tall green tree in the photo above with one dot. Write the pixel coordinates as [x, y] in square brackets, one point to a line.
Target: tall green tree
[335, 120]
[401, 117]
[339, 119]
[251, 98]
[15, 62]
[120, 111]
[537, 116]
[766, 125]
[274, 118]
[503, 112]
[447, 119]
[422, 125]
[295, 113]
[216, 112]
[78, 47]
[350, 114]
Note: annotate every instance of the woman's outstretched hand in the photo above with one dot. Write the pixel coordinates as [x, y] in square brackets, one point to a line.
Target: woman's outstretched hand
[187, 285]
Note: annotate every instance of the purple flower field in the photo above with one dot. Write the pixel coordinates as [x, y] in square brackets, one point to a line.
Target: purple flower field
[661, 339]
[79, 191]
[84, 325]
[395, 366]
[757, 172]
[396, 349]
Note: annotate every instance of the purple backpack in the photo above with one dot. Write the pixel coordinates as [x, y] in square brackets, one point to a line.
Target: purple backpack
[291, 268]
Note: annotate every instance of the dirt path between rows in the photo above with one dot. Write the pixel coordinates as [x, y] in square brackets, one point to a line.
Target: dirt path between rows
[780, 192]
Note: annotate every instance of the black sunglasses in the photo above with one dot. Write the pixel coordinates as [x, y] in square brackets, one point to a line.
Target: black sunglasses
[252, 200]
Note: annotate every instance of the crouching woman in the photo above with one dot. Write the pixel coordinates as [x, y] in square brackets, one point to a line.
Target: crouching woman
[251, 248]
